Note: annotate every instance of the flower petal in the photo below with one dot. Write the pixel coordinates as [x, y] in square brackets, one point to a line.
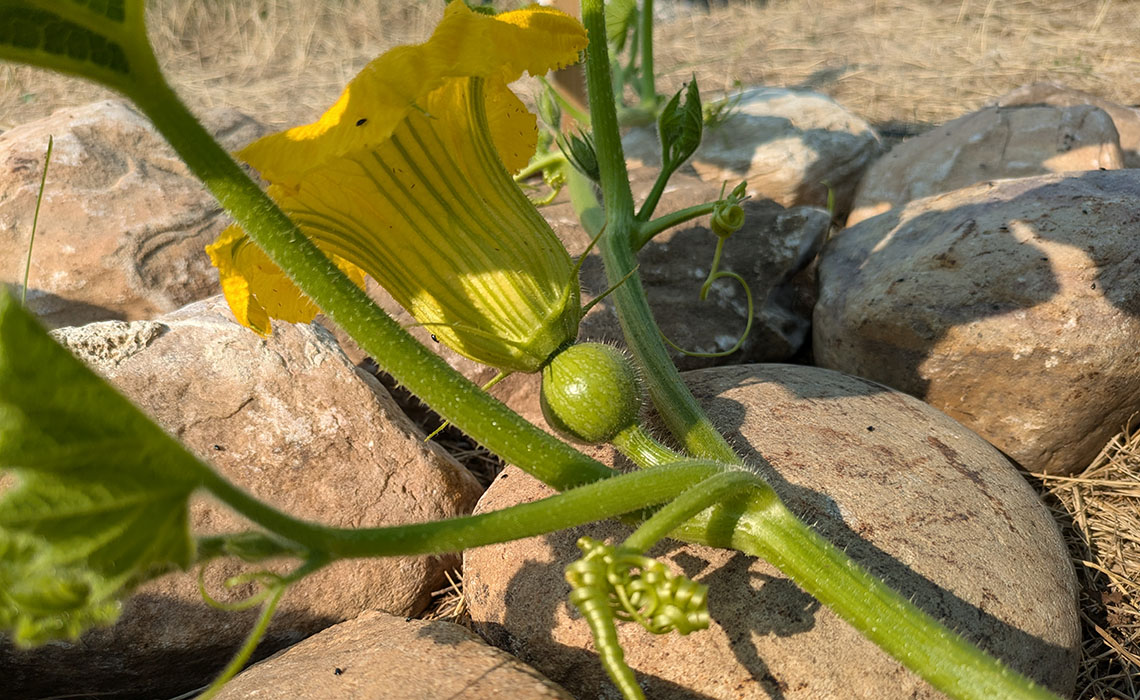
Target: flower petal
[465, 44]
[256, 289]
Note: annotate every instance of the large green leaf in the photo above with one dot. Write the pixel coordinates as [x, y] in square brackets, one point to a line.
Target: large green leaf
[97, 39]
[102, 494]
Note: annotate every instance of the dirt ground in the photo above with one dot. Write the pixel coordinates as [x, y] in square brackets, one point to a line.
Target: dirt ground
[904, 66]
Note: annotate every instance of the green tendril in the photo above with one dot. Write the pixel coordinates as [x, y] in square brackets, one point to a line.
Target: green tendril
[640, 589]
[270, 580]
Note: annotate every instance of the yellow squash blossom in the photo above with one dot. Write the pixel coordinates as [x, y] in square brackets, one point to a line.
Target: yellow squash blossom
[407, 178]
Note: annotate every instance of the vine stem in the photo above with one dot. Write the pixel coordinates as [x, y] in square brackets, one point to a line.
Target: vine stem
[679, 410]
[424, 373]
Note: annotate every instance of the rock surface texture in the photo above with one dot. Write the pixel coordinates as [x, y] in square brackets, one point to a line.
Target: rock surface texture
[918, 499]
[1126, 119]
[790, 145]
[1013, 306]
[380, 656]
[123, 223]
[993, 143]
[290, 420]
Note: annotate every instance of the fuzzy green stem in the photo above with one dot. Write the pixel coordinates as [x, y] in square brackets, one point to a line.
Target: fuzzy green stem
[764, 527]
[645, 232]
[537, 166]
[428, 376]
[640, 447]
[611, 497]
[678, 408]
[715, 489]
[647, 88]
[654, 196]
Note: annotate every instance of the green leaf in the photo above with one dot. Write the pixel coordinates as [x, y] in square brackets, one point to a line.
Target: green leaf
[620, 16]
[680, 127]
[102, 495]
[97, 39]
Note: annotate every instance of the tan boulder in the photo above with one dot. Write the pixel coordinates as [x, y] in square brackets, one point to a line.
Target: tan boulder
[1013, 306]
[291, 421]
[992, 143]
[1126, 119]
[790, 145]
[380, 656]
[906, 491]
[123, 224]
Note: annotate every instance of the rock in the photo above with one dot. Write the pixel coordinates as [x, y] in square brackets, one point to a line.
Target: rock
[1126, 119]
[381, 656]
[123, 224]
[1013, 306]
[291, 421]
[909, 493]
[993, 143]
[790, 145]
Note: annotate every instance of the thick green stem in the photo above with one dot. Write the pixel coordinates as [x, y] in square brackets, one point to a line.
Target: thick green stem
[648, 88]
[767, 529]
[455, 398]
[646, 231]
[677, 407]
[595, 501]
[639, 446]
[715, 489]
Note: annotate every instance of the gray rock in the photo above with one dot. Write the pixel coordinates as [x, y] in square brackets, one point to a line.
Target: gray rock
[1126, 119]
[1013, 306]
[993, 143]
[291, 421]
[381, 656]
[909, 493]
[790, 145]
[123, 224]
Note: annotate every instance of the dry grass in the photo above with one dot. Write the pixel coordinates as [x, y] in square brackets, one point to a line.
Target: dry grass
[1099, 512]
[902, 65]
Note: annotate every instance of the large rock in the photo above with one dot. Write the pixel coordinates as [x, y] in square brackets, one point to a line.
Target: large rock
[394, 658]
[790, 145]
[771, 252]
[291, 421]
[996, 142]
[1013, 306]
[907, 492]
[1126, 119]
[123, 225]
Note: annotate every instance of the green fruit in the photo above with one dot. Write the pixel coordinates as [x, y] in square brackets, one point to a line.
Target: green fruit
[590, 392]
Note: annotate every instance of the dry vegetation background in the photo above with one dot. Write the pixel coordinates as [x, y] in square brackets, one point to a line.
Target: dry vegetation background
[903, 65]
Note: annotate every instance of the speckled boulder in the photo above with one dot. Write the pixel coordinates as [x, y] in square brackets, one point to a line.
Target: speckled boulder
[380, 656]
[1126, 119]
[1013, 306]
[909, 493]
[124, 223]
[792, 146]
[290, 420]
[992, 143]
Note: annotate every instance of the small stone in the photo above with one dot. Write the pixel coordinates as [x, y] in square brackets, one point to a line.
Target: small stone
[922, 502]
[790, 145]
[383, 656]
[291, 421]
[993, 143]
[1013, 306]
[123, 225]
[1126, 119]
